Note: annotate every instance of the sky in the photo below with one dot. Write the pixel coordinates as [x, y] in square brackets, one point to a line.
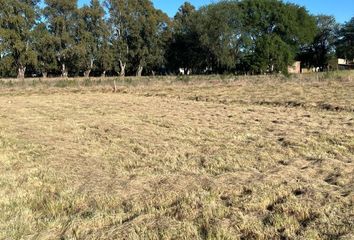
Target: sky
[343, 10]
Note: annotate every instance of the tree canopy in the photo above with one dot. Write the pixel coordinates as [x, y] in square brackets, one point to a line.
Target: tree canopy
[345, 41]
[322, 48]
[132, 37]
[17, 19]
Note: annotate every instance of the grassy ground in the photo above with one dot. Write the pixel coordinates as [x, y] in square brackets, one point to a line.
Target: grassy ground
[186, 158]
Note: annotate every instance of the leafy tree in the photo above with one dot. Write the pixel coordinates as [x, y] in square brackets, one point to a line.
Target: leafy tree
[272, 54]
[139, 34]
[156, 35]
[248, 36]
[44, 44]
[61, 16]
[282, 25]
[17, 18]
[243, 36]
[120, 23]
[185, 50]
[321, 50]
[6, 66]
[148, 35]
[345, 42]
[221, 32]
[105, 57]
[92, 34]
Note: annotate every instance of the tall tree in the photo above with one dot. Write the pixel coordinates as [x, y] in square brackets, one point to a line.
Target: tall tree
[154, 35]
[61, 18]
[105, 57]
[281, 25]
[139, 35]
[271, 54]
[322, 49]
[119, 23]
[17, 18]
[44, 44]
[92, 34]
[243, 36]
[220, 28]
[185, 49]
[345, 42]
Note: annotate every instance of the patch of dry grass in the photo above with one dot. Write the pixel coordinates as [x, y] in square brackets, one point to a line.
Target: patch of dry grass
[229, 158]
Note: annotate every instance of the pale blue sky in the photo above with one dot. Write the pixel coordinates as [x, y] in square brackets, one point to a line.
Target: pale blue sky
[343, 10]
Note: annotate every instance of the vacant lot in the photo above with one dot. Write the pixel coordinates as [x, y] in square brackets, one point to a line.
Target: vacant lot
[213, 158]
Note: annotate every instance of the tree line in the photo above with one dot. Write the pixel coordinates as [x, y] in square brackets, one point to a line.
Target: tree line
[131, 37]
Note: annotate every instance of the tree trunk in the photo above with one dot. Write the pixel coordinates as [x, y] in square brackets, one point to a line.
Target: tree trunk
[114, 86]
[103, 74]
[122, 68]
[21, 72]
[87, 73]
[139, 71]
[64, 71]
[44, 74]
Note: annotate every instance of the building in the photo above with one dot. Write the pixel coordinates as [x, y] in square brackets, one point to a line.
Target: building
[295, 68]
[341, 64]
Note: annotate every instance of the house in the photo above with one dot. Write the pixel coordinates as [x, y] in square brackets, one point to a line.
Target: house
[340, 64]
[295, 68]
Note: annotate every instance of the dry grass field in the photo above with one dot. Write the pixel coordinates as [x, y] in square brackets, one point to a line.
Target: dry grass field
[186, 158]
